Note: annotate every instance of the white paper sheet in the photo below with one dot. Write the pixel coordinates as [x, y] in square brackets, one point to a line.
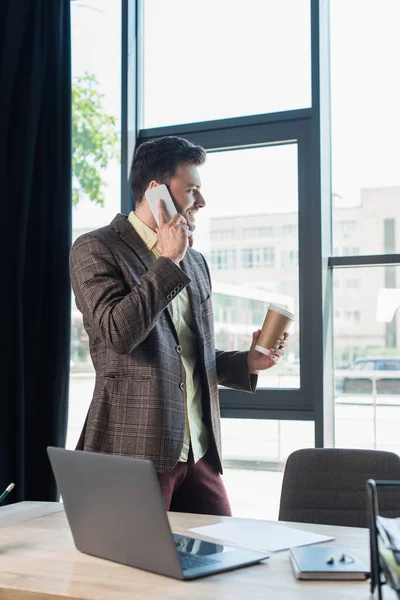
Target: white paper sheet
[260, 535]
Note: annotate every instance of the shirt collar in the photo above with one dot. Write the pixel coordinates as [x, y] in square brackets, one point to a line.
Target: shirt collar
[146, 233]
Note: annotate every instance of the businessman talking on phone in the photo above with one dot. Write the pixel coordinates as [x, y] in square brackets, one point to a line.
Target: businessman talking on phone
[145, 296]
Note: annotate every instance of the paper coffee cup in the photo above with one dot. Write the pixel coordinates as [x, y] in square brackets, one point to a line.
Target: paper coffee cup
[277, 322]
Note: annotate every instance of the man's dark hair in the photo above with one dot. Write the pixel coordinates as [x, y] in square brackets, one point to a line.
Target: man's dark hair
[158, 160]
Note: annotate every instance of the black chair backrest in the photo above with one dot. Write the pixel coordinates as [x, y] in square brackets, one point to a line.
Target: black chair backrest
[328, 485]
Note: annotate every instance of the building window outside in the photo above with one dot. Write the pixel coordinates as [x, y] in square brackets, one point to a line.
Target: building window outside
[352, 317]
[352, 284]
[223, 234]
[268, 257]
[256, 258]
[223, 259]
[345, 226]
[350, 251]
[289, 258]
[258, 232]
[247, 258]
[289, 230]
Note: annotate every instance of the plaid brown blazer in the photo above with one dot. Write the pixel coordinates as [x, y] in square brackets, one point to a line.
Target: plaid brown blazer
[138, 405]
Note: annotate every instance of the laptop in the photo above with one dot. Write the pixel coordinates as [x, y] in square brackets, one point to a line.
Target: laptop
[116, 511]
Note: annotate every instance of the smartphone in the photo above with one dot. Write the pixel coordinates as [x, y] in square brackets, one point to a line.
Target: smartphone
[160, 193]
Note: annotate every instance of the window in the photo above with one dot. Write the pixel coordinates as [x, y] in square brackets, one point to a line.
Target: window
[226, 51]
[289, 229]
[247, 258]
[365, 169]
[289, 258]
[345, 226]
[268, 257]
[96, 81]
[256, 280]
[255, 492]
[223, 259]
[350, 251]
[366, 181]
[352, 284]
[257, 232]
[223, 234]
[352, 317]
[367, 369]
[258, 257]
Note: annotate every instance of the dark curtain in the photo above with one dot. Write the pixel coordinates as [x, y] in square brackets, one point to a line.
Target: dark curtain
[35, 237]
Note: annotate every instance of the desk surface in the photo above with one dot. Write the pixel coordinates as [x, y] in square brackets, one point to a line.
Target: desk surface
[38, 560]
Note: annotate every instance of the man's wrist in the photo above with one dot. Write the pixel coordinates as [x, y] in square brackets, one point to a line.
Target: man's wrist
[251, 370]
[173, 259]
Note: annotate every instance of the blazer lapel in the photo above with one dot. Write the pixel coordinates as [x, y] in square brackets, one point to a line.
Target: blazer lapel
[127, 233]
[193, 293]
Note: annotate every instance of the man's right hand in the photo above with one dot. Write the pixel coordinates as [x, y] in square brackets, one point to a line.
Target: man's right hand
[173, 235]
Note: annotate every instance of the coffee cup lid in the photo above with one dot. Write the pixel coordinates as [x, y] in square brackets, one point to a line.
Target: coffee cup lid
[281, 310]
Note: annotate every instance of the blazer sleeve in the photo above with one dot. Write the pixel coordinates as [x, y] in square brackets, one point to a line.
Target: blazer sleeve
[233, 372]
[124, 317]
[232, 368]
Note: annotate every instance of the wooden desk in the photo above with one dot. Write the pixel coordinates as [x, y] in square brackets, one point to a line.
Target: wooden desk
[39, 561]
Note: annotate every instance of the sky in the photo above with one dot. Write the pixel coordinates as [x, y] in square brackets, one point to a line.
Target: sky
[213, 59]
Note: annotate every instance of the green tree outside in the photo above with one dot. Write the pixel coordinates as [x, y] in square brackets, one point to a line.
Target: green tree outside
[95, 140]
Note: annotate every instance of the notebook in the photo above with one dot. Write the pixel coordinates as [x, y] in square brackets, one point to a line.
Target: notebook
[326, 562]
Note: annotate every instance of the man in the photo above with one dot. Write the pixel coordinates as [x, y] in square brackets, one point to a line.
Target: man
[145, 296]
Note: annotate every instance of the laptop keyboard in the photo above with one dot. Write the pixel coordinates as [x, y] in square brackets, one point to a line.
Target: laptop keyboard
[193, 561]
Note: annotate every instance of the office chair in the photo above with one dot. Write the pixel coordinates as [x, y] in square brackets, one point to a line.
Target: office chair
[328, 485]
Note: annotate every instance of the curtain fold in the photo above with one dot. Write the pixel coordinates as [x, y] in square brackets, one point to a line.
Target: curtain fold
[35, 238]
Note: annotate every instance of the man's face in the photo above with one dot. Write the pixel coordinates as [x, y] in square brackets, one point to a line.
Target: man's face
[184, 188]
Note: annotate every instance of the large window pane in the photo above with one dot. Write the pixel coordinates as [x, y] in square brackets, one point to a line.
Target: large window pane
[365, 46]
[249, 234]
[96, 115]
[217, 59]
[254, 456]
[367, 357]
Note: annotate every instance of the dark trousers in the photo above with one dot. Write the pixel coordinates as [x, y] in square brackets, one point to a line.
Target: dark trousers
[195, 488]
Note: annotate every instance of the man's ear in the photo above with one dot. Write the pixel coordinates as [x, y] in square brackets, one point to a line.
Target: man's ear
[153, 184]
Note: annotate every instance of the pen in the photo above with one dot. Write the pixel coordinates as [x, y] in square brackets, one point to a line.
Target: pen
[6, 492]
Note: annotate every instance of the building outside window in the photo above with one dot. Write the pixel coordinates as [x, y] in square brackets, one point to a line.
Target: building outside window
[350, 251]
[223, 259]
[345, 226]
[289, 258]
[352, 284]
[223, 234]
[289, 229]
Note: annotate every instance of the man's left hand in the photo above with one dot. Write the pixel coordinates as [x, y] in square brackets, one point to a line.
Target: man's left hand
[259, 362]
